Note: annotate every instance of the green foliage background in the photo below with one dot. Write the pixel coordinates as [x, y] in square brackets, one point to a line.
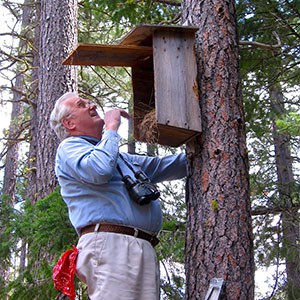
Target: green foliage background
[46, 232]
[44, 228]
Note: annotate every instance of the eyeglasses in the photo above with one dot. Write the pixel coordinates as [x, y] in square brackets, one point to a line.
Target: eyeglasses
[80, 103]
[83, 103]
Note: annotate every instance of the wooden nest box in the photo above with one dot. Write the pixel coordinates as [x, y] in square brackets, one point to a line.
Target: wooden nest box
[164, 79]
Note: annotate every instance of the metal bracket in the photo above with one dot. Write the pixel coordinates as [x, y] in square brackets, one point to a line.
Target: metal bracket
[136, 232]
[215, 289]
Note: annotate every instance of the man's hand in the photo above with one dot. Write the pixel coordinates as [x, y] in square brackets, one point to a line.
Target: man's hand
[112, 118]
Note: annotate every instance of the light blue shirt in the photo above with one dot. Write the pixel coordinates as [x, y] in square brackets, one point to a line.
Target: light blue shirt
[93, 188]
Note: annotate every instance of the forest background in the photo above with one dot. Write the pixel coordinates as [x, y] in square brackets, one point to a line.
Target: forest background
[35, 230]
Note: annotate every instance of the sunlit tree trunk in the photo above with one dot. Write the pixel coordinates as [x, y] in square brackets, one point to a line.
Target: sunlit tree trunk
[32, 99]
[219, 231]
[131, 141]
[58, 37]
[12, 155]
[17, 127]
[286, 183]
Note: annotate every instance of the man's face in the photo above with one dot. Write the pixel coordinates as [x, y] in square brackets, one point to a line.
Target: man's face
[83, 117]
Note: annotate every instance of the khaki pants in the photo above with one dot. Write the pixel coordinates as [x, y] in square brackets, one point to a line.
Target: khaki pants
[117, 267]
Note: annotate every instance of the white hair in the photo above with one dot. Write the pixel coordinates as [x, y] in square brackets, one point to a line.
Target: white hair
[59, 112]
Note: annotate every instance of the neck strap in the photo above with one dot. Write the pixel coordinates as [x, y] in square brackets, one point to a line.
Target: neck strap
[94, 142]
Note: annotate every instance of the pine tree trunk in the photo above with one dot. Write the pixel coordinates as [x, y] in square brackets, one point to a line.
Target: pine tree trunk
[33, 131]
[58, 34]
[16, 124]
[219, 230]
[290, 219]
[15, 127]
[12, 155]
[131, 141]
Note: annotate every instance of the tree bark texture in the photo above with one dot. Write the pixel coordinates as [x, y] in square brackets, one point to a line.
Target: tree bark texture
[58, 37]
[16, 127]
[286, 183]
[131, 142]
[32, 99]
[219, 242]
[12, 154]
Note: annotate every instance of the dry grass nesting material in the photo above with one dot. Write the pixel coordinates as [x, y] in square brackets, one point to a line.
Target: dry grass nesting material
[149, 128]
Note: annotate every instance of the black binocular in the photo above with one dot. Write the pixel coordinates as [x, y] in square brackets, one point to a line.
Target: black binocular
[141, 190]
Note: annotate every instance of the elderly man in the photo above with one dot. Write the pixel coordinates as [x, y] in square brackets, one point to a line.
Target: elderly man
[112, 201]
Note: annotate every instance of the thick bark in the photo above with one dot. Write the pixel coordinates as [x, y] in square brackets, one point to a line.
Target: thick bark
[32, 99]
[131, 142]
[219, 230]
[58, 37]
[290, 217]
[15, 127]
[12, 154]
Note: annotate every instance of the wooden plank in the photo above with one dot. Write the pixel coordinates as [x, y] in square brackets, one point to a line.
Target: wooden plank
[175, 80]
[143, 87]
[166, 135]
[143, 103]
[108, 55]
[174, 137]
[142, 35]
[143, 97]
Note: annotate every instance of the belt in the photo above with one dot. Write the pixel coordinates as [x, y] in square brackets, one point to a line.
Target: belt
[104, 227]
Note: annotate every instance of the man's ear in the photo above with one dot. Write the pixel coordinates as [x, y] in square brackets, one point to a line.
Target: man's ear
[68, 123]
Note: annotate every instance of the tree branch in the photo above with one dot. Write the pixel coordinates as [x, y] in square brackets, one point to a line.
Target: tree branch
[262, 45]
[168, 2]
[261, 211]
